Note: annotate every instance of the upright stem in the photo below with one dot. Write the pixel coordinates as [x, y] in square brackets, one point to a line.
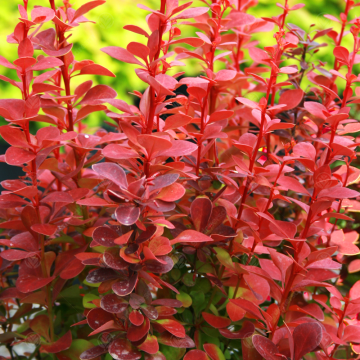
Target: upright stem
[340, 330]
[33, 176]
[150, 120]
[66, 77]
[256, 149]
[347, 9]
[202, 129]
[52, 4]
[337, 65]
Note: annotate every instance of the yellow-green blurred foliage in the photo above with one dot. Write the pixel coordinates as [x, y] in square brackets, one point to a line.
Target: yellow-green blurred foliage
[108, 30]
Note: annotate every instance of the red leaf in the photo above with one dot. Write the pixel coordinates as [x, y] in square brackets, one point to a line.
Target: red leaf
[15, 255]
[162, 267]
[47, 63]
[163, 181]
[93, 201]
[171, 193]
[113, 303]
[247, 330]
[139, 50]
[176, 121]
[307, 337]
[105, 236]
[94, 352]
[13, 136]
[6, 63]
[41, 88]
[354, 266]
[170, 340]
[100, 275]
[112, 172]
[136, 30]
[173, 327]
[123, 350]
[235, 312]
[89, 109]
[136, 333]
[118, 152]
[98, 317]
[60, 345]
[355, 291]
[249, 307]
[150, 345]
[218, 322]
[73, 269]
[40, 325]
[136, 318]
[316, 109]
[167, 302]
[82, 10]
[125, 287]
[153, 144]
[42, 14]
[29, 283]
[352, 334]
[191, 13]
[338, 193]
[291, 98]
[57, 196]
[341, 53]
[179, 148]
[127, 215]
[190, 236]
[98, 95]
[196, 355]
[45, 229]
[96, 69]
[122, 54]
[248, 350]
[266, 348]
[17, 156]
[200, 211]
[214, 352]
[25, 48]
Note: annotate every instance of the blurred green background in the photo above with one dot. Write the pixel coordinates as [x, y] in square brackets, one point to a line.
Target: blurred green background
[110, 18]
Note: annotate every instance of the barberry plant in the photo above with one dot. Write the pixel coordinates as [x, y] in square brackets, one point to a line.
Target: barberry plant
[212, 220]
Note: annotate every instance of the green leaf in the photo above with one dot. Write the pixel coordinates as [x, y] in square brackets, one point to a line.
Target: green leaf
[62, 240]
[70, 292]
[187, 316]
[198, 302]
[175, 274]
[77, 347]
[212, 335]
[203, 285]
[91, 285]
[184, 298]
[188, 280]
[86, 301]
[172, 353]
[214, 352]
[203, 268]
[224, 257]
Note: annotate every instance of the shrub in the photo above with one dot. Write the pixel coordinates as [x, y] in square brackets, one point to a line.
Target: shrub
[213, 221]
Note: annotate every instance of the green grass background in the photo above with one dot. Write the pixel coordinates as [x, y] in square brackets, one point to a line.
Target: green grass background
[110, 18]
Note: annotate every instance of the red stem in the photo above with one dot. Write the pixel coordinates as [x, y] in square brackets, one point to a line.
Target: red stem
[150, 120]
[66, 78]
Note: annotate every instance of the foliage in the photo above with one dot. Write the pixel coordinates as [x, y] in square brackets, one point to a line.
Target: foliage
[214, 220]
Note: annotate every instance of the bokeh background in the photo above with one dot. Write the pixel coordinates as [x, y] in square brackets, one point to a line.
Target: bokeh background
[108, 30]
[110, 19]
